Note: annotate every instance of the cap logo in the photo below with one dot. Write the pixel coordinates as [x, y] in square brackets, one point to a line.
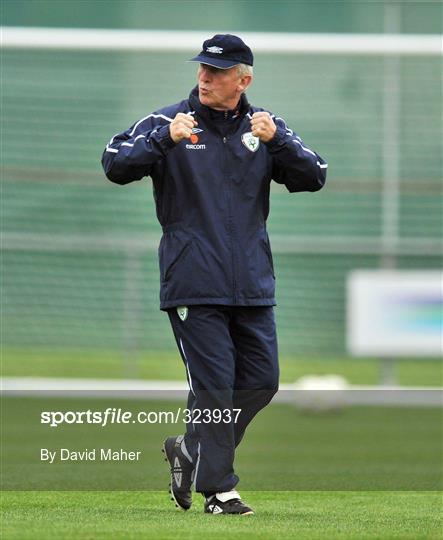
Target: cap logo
[214, 49]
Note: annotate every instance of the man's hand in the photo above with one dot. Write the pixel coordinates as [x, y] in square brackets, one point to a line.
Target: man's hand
[181, 127]
[263, 126]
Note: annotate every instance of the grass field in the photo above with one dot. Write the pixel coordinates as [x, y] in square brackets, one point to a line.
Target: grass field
[279, 515]
[373, 451]
[370, 454]
[168, 366]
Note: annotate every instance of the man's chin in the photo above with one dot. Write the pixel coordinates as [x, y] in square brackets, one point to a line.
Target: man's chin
[204, 99]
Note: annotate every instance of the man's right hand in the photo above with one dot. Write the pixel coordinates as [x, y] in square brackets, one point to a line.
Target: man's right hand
[181, 127]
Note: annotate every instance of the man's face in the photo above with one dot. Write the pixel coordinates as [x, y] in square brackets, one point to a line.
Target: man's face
[220, 88]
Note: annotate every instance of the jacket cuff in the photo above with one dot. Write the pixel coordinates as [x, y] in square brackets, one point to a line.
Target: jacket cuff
[278, 140]
[163, 138]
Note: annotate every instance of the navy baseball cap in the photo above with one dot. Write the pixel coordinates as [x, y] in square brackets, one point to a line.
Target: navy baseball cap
[224, 51]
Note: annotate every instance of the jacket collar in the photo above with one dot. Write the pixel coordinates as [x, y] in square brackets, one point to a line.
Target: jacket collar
[215, 116]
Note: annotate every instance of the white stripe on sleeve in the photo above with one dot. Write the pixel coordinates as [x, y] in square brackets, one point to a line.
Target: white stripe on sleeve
[149, 116]
[304, 147]
[142, 136]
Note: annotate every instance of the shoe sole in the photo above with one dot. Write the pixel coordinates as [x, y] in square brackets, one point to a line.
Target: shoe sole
[173, 499]
[226, 514]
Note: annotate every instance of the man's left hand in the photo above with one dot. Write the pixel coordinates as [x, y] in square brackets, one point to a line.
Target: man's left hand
[263, 126]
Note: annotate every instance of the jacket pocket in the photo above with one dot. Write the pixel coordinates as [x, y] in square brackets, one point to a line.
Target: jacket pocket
[180, 255]
[267, 249]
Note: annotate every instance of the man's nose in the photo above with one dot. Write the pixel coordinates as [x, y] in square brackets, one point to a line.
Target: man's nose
[204, 74]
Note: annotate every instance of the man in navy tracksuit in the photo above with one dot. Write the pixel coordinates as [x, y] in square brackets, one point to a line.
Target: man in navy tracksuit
[211, 158]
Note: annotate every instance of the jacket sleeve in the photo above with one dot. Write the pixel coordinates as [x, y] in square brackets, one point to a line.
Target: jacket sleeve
[132, 154]
[294, 164]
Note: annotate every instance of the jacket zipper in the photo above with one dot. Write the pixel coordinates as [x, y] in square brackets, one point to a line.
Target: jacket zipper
[230, 222]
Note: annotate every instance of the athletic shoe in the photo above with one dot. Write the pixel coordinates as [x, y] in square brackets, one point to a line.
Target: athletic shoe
[181, 471]
[227, 503]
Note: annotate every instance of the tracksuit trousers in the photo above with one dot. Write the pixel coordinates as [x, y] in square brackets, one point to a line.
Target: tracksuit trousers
[231, 359]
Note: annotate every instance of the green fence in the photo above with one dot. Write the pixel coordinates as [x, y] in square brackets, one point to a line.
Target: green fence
[80, 260]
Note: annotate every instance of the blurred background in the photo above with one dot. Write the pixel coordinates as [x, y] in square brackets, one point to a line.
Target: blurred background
[80, 268]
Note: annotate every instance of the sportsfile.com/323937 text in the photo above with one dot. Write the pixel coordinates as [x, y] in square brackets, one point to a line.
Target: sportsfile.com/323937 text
[114, 415]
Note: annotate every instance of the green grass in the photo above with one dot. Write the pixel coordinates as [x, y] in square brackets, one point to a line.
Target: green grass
[161, 365]
[279, 515]
[370, 454]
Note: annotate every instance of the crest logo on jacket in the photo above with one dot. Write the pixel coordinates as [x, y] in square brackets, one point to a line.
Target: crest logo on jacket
[182, 312]
[252, 143]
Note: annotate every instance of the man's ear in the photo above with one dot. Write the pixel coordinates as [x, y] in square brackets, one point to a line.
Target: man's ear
[245, 81]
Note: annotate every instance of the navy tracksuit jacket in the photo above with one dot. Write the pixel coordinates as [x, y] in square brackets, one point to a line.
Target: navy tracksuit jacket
[212, 201]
